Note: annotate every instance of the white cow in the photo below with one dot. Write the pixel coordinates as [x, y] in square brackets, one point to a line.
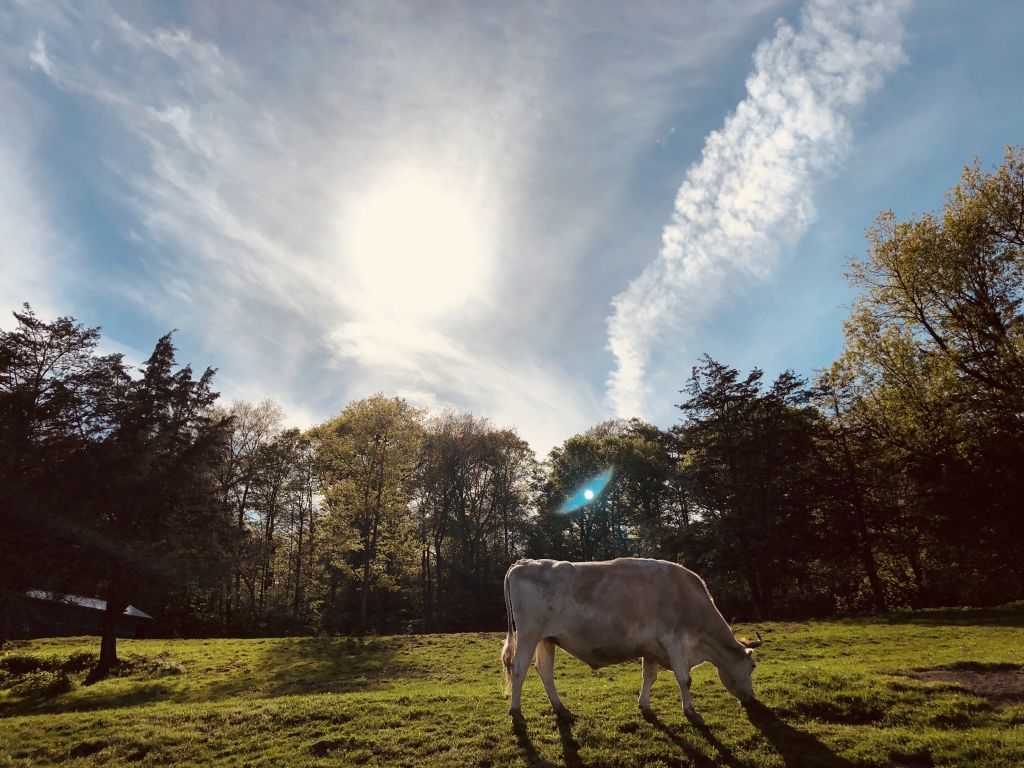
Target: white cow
[611, 612]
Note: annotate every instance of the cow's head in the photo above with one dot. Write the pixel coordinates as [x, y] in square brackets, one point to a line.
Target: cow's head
[735, 671]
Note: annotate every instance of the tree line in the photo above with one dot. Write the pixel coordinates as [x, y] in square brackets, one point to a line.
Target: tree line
[891, 479]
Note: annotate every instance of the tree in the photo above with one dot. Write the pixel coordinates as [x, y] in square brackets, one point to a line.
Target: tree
[747, 460]
[54, 393]
[937, 342]
[142, 496]
[854, 475]
[367, 457]
[245, 461]
[471, 502]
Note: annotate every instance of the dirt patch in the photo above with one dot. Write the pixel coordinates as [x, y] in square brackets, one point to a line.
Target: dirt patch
[1000, 682]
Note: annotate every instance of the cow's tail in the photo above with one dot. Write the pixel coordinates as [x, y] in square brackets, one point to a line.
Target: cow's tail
[508, 651]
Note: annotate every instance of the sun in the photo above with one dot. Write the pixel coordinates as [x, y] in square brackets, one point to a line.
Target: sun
[416, 245]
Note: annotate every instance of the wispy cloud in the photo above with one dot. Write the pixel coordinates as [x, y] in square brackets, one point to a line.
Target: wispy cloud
[230, 167]
[242, 213]
[751, 194]
[30, 250]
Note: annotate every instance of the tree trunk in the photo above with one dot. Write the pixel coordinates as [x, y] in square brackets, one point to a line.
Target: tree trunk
[6, 609]
[108, 642]
[920, 598]
[867, 557]
[428, 604]
[298, 569]
[364, 596]
[1012, 560]
[760, 604]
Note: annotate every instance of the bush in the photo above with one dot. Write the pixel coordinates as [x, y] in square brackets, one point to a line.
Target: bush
[18, 664]
[26, 675]
[41, 683]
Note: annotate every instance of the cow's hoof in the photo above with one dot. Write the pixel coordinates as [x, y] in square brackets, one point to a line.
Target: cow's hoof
[564, 713]
[516, 713]
[693, 716]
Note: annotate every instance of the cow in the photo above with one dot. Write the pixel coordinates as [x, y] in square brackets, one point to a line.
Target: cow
[616, 611]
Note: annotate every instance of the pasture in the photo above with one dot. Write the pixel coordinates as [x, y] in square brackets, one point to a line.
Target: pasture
[842, 693]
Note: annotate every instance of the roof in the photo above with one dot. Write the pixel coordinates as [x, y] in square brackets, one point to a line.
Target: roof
[83, 602]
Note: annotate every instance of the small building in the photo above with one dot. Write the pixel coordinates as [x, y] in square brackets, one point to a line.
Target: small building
[51, 614]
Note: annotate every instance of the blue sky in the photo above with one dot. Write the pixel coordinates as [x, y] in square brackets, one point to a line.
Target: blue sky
[540, 212]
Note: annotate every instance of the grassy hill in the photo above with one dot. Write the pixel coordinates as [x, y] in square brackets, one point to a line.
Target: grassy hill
[844, 693]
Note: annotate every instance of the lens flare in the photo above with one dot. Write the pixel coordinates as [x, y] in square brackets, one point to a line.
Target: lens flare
[586, 493]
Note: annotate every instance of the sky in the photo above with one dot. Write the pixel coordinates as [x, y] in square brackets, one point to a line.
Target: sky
[541, 212]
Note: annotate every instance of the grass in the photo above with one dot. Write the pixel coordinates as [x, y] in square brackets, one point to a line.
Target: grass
[833, 694]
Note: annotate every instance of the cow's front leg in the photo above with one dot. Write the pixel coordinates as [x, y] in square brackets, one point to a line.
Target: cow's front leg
[681, 667]
[546, 669]
[683, 678]
[650, 675]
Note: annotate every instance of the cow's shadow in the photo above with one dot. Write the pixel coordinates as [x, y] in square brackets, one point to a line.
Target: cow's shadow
[695, 756]
[570, 747]
[797, 747]
[529, 752]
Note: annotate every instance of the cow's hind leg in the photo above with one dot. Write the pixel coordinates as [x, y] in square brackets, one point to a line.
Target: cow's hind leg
[546, 669]
[650, 675]
[520, 666]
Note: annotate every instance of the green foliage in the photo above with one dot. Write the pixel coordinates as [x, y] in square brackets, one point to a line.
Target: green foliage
[636, 513]
[746, 460]
[836, 694]
[367, 458]
[15, 664]
[932, 382]
[40, 683]
[31, 676]
[105, 471]
[472, 498]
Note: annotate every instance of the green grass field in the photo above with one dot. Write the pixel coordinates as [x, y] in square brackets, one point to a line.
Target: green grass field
[833, 694]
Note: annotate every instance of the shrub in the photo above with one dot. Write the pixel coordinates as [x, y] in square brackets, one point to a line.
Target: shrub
[30, 676]
[41, 683]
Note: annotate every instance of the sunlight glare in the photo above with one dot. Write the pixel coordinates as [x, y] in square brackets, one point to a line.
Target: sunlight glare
[416, 245]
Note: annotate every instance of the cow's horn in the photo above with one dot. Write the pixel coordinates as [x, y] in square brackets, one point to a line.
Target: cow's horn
[755, 643]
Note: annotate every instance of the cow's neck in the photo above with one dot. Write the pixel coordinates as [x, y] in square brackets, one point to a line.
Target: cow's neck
[717, 643]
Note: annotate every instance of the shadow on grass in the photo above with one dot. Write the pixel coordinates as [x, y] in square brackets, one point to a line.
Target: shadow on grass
[944, 617]
[694, 755]
[308, 665]
[529, 752]
[796, 747]
[300, 666]
[570, 747]
[145, 693]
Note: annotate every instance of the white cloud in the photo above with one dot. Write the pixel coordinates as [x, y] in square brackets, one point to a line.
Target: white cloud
[751, 194]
